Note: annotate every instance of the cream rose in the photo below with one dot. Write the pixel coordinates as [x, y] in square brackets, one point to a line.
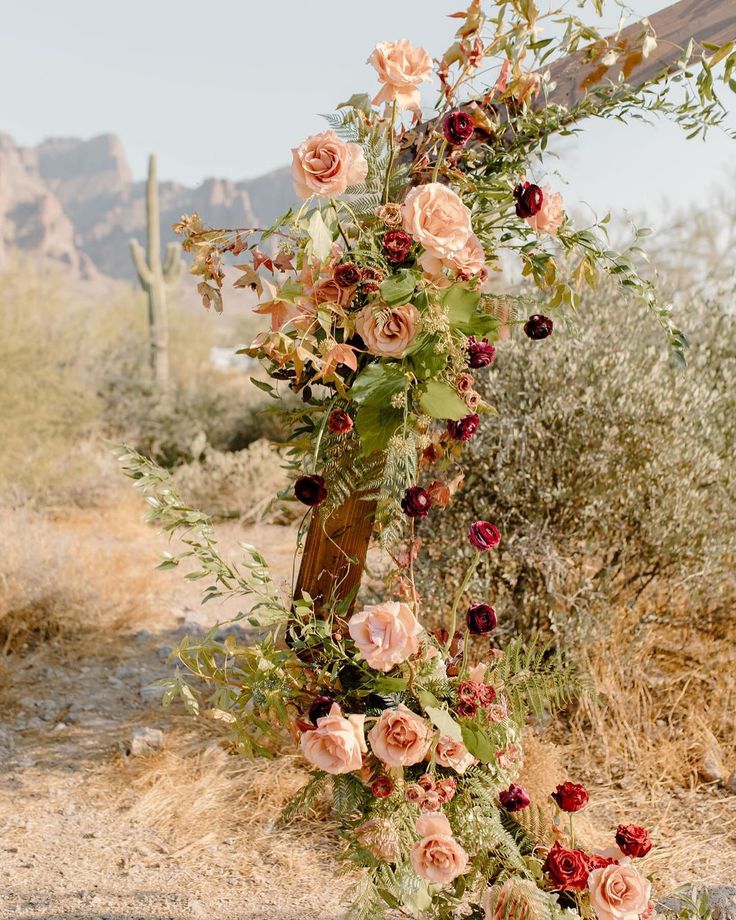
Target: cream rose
[618, 892]
[437, 219]
[325, 165]
[550, 216]
[401, 68]
[453, 754]
[389, 332]
[385, 634]
[400, 738]
[437, 857]
[337, 744]
[466, 262]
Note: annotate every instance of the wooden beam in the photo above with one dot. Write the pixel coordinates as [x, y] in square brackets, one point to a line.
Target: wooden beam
[334, 554]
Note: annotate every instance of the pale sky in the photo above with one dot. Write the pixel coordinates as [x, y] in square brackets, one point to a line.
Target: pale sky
[226, 88]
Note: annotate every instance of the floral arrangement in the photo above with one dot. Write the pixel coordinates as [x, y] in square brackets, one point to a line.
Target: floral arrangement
[383, 299]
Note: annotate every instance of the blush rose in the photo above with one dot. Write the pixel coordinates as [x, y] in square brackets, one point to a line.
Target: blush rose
[337, 744]
[453, 754]
[401, 68]
[437, 219]
[390, 332]
[385, 634]
[618, 892]
[400, 738]
[325, 165]
[437, 857]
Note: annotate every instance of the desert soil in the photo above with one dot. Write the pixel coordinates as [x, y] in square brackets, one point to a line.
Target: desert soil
[88, 831]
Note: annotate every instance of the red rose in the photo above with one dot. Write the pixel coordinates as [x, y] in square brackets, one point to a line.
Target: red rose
[463, 429]
[633, 841]
[514, 798]
[310, 490]
[347, 275]
[382, 787]
[571, 796]
[339, 422]
[481, 619]
[483, 535]
[396, 245]
[566, 869]
[458, 128]
[416, 502]
[529, 199]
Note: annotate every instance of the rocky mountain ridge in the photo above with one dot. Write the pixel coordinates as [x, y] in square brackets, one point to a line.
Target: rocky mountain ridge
[75, 202]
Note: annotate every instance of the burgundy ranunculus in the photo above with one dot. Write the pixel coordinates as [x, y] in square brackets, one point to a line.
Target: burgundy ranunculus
[339, 422]
[416, 502]
[484, 536]
[458, 128]
[382, 787]
[514, 798]
[466, 709]
[372, 277]
[529, 199]
[467, 691]
[570, 797]
[396, 245]
[566, 869]
[480, 353]
[538, 326]
[347, 275]
[481, 619]
[487, 695]
[310, 490]
[633, 841]
[319, 708]
[464, 428]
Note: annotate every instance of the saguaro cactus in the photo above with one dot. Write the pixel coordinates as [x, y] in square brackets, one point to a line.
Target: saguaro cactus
[155, 279]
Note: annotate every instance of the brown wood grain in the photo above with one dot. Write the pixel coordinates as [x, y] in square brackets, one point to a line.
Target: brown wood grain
[334, 554]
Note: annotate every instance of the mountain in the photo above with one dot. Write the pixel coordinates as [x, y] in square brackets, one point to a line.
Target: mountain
[75, 202]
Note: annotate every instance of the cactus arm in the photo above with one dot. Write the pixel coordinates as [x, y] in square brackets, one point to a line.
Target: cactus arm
[173, 264]
[138, 255]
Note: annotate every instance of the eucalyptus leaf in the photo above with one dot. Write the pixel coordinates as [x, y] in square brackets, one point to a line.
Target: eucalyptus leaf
[442, 720]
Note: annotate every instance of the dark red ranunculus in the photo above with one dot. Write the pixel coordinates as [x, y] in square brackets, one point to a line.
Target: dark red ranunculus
[339, 422]
[570, 796]
[481, 619]
[347, 274]
[310, 490]
[320, 708]
[382, 787]
[514, 798]
[458, 128]
[529, 198]
[464, 428]
[566, 869]
[480, 352]
[396, 245]
[633, 841]
[467, 691]
[465, 709]
[538, 327]
[372, 277]
[416, 502]
[483, 535]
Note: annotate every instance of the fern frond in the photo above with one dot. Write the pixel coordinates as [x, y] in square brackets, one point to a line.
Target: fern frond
[303, 801]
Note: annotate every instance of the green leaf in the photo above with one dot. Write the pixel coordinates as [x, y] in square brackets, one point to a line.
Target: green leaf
[424, 359]
[398, 288]
[442, 720]
[359, 101]
[377, 383]
[320, 236]
[440, 401]
[460, 303]
[376, 425]
[478, 743]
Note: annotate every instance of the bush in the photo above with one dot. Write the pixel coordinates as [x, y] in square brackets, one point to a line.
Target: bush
[609, 473]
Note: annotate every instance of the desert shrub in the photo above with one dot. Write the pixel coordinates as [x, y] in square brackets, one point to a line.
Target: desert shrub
[609, 472]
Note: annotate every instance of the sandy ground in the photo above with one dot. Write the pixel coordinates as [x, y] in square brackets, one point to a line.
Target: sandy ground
[87, 831]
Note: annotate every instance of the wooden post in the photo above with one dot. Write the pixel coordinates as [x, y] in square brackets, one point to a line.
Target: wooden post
[334, 555]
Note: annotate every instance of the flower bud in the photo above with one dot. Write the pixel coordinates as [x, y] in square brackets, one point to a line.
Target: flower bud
[463, 429]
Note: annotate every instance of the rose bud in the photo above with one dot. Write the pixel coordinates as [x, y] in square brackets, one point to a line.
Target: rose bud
[414, 793]
[427, 782]
[431, 801]
[463, 429]
[514, 798]
[347, 275]
[570, 797]
[372, 277]
[447, 788]
[538, 327]
[480, 353]
[382, 787]
[484, 536]
[396, 246]
[458, 128]
[310, 490]
[529, 199]
[633, 841]
[416, 502]
[464, 384]
[481, 619]
[465, 709]
[339, 422]
[319, 708]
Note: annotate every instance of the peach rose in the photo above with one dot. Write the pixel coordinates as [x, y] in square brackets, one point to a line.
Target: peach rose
[401, 68]
[400, 737]
[550, 216]
[325, 165]
[437, 219]
[437, 857]
[466, 262]
[618, 892]
[390, 331]
[385, 634]
[336, 745]
[453, 754]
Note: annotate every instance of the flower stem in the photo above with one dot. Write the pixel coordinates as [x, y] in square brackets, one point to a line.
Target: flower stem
[572, 833]
[392, 152]
[438, 161]
[458, 597]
